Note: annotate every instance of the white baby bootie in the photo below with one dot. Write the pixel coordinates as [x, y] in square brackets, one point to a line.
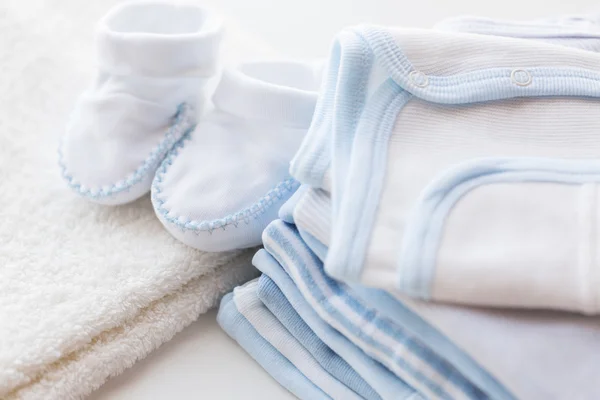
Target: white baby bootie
[218, 190]
[154, 59]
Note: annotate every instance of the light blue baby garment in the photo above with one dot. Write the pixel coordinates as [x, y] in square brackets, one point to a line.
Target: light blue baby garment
[275, 300]
[383, 381]
[392, 308]
[347, 90]
[266, 355]
[481, 342]
[286, 212]
[438, 143]
[394, 346]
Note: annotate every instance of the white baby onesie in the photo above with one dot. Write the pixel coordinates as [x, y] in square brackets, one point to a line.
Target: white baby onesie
[468, 174]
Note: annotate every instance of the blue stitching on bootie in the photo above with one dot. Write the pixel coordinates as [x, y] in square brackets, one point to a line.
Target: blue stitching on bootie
[173, 135]
[253, 211]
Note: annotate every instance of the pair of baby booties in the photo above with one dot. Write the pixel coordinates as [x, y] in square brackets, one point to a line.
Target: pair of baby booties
[216, 181]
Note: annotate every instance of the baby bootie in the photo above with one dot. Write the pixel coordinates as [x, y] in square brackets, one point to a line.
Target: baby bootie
[154, 59]
[218, 190]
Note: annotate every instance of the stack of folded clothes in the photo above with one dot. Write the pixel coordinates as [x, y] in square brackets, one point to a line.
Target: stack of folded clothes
[443, 242]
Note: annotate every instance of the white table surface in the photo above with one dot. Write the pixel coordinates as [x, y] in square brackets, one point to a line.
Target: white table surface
[202, 362]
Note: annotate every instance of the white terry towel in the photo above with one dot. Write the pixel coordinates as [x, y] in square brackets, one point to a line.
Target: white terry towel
[116, 349]
[80, 285]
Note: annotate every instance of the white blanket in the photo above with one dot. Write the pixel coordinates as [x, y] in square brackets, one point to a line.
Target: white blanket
[85, 290]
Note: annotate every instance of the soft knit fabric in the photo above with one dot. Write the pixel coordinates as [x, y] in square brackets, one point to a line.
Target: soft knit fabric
[154, 59]
[286, 211]
[219, 188]
[272, 330]
[543, 342]
[279, 367]
[556, 351]
[382, 380]
[580, 31]
[312, 214]
[400, 350]
[463, 143]
[275, 300]
[74, 276]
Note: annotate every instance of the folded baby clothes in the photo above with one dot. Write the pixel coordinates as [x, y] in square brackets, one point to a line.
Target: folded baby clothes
[272, 330]
[154, 58]
[395, 347]
[484, 344]
[218, 189]
[312, 164]
[312, 216]
[382, 380]
[465, 171]
[533, 354]
[279, 367]
[276, 302]
[286, 210]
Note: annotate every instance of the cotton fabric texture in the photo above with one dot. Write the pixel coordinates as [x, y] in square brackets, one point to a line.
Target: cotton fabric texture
[276, 302]
[579, 31]
[396, 347]
[278, 366]
[98, 278]
[482, 343]
[382, 380]
[271, 329]
[154, 59]
[441, 146]
[220, 187]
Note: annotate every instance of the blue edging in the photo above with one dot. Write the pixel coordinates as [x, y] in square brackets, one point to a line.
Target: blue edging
[313, 157]
[244, 215]
[470, 87]
[481, 85]
[425, 226]
[343, 261]
[370, 146]
[181, 119]
[283, 241]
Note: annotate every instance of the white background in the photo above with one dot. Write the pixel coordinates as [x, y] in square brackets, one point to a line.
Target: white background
[202, 362]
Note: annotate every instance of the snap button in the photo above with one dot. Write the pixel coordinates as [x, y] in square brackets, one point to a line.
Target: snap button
[521, 77]
[419, 79]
